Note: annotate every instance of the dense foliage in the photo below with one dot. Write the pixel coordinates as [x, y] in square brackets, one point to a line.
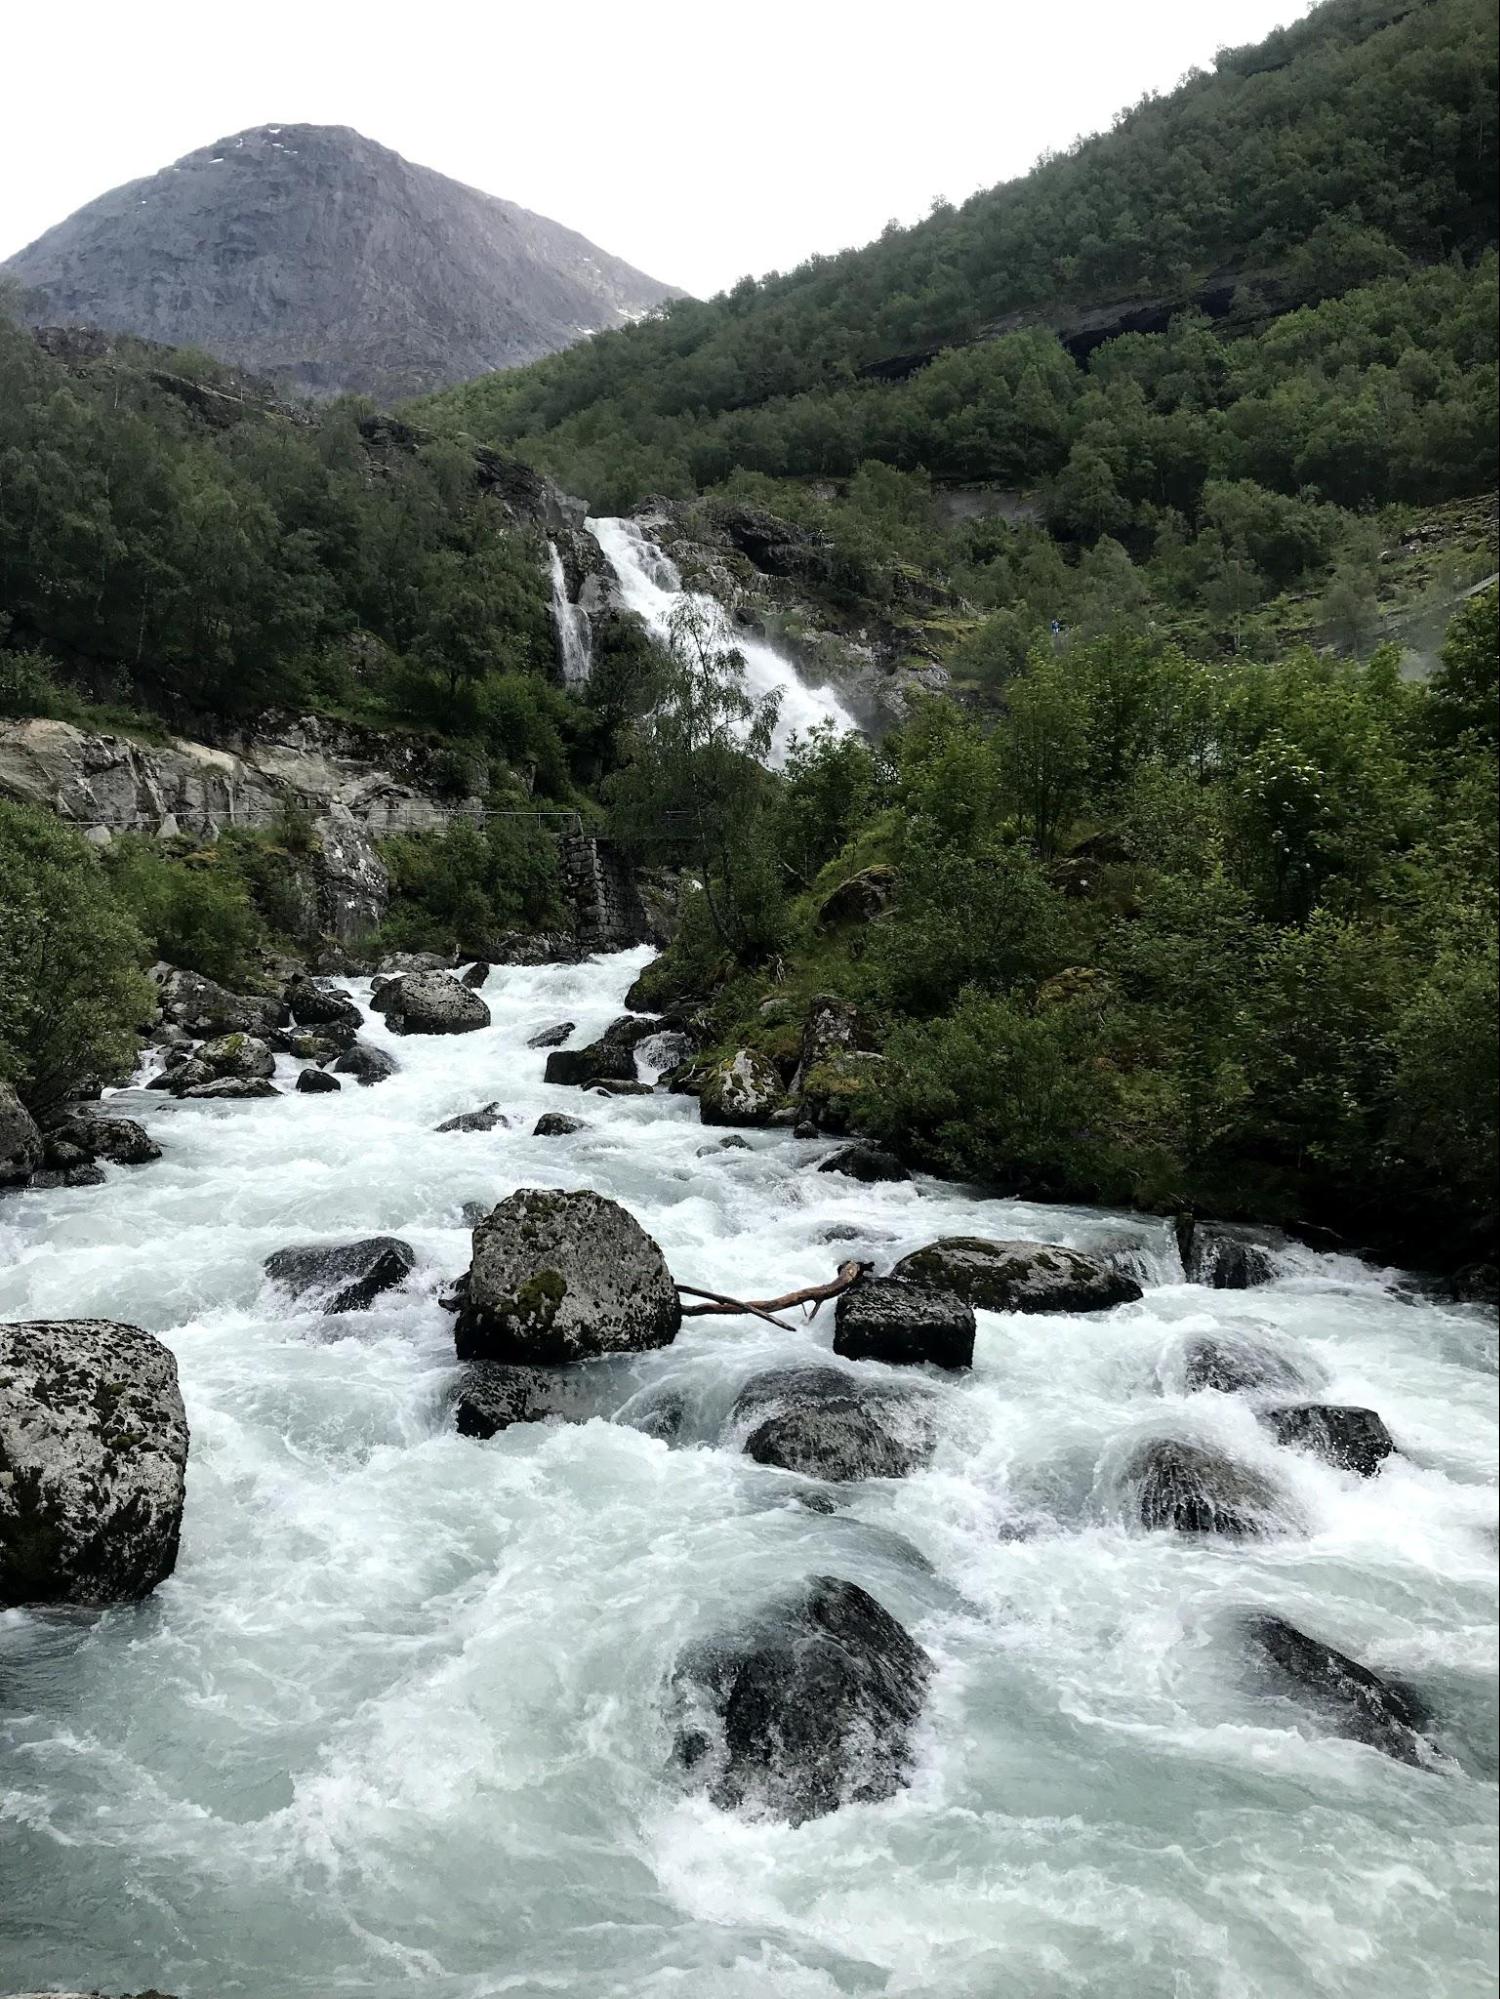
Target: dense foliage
[1169, 934]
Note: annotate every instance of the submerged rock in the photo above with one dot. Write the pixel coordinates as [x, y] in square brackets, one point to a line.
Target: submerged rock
[869, 1163]
[559, 1277]
[813, 1707]
[475, 976]
[233, 1088]
[557, 1124]
[484, 1119]
[826, 1423]
[317, 1082]
[897, 1321]
[1235, 1366]
[1352, 1700]
[552, 1037]
[492, 1396]
[1197, 1490]
[1020, 1276]
[93, 1451]
[1353, 1439]
[431, 1003]
[352, 1274]
[365, 1064]
[20, 1140]
[1227, 1256]
[744, 1089]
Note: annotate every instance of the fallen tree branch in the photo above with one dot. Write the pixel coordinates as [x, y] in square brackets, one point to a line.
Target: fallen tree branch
[763, 1308]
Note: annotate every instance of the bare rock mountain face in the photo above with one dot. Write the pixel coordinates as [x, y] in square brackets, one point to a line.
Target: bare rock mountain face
[327, 263]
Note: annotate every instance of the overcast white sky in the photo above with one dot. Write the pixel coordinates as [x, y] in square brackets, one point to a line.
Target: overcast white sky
[696, 138]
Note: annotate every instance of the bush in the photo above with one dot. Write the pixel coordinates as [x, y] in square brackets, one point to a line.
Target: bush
[71, 987]
[458, 889]
[194, 910]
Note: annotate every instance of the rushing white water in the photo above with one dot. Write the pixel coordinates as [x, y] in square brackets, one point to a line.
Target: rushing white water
[396, 1723]
[574, 638]
[651, 586]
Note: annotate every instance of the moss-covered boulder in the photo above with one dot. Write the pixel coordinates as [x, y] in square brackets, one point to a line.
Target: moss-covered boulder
[93, 1452]
[1019, 1276]
[559, 1277]
[744, 1089]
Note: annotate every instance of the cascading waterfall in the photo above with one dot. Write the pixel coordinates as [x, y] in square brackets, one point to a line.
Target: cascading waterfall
[651, 586]
[574, 637]
[397, 1724]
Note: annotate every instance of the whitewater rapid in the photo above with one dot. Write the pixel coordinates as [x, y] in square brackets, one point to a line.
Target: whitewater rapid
[651, 586]
[396, 1723]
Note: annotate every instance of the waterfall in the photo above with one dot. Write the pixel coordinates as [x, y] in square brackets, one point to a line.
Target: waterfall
[651, 586]
[574, 639]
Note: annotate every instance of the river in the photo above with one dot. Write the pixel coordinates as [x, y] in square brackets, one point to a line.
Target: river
[396, 1723]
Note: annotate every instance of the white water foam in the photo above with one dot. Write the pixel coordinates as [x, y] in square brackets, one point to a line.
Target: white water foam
[397, 1722]
[651, 586]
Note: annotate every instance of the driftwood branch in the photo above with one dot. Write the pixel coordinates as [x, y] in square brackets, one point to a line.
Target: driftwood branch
[764, 1308]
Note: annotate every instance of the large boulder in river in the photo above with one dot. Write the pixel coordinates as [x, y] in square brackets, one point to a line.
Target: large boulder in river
[486, 1118]
[93, 1451]
[560, 1277]
[611, 1058]
[743, 1090]
[236, 1055]
[557, 1124]
[1353, 1439]
[233, 1088]
[551, 1037]
[829, 1424]
[1348, 1697]
[313, 1004]
[1020, 1276]
[894, 1320]
[119, 1139]
[20, 1141]
[1198, 1490]
[1227, 1256]
[493, 1396]
[203, 1008]
[813, 1707]
[865, 1162]
[366, 1064]
[432, 1003]
[342, 1276]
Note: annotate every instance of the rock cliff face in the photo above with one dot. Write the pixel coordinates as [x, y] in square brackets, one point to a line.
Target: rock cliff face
[328, 263]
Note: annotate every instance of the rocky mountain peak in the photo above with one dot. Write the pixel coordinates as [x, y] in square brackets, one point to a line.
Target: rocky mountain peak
[327, 263]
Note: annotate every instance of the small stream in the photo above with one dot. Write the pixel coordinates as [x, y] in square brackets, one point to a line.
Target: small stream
[396, 1723]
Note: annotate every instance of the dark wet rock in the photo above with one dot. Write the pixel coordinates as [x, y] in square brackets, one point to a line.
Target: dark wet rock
[733, 1143]
[659, 1412]
[826, 1423]
[894, 1320]
[432, 1003]
[93, 1451]
[852, 1232]
[118, 1139]
[309, 1047]
[243, 1055]
[552, 1037]
[1239, 1366]
[557, 1124]
[559, 1277]
[616, 1086]
[745, 1089]
[868, 1163]
[609, 1059]
[1226, 1255]
[1020, 1276]
[384, 994]
[349, 1276]
[20, 1140]
[1350, 1699]
[860, 899]
[804, 1128]
[1475, 1284]
[315, 1005]
[486, 1118]
[1197, 1490]
[475, 976]
[234, 1089]
[1353, 1439]
[365, 1064]
[811, 1708]
[204, 1009]
[60, 1155]
[86, 1174]
[317, 1082]
[492, 1396]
